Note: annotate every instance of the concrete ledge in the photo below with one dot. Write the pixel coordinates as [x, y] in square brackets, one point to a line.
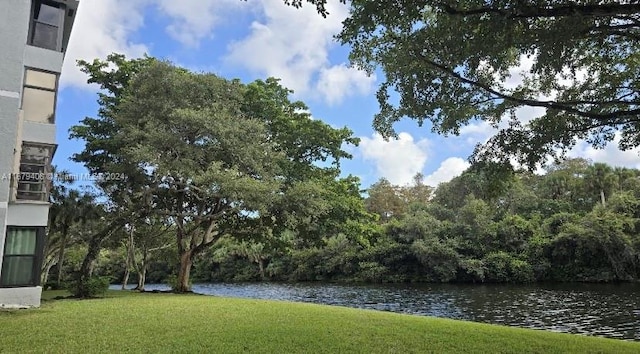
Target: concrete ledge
[26, 213]
[35, 132]
[17, 298]
[45, 59]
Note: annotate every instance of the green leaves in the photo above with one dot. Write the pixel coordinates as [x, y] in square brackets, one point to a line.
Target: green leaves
[214, 157]
[452, 62]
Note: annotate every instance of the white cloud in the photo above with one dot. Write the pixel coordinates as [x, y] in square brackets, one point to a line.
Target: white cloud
[610, 155]
[194, 20]
[339, 82]
[518, 73]
[481, 131]
[102, 27]
[293, 45]
[515, 74]
[449, 168]
[478, 132]
[396, 160]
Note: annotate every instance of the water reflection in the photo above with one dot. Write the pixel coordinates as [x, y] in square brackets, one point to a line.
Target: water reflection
[593, 309]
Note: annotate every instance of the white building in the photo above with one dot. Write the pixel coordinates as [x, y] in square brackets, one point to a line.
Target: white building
[33, 39]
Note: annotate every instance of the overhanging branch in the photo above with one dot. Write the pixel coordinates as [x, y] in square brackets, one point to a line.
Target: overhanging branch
[562, 106]
[591, 10]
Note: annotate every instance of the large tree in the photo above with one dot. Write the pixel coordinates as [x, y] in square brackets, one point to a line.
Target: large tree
[213, 157]
[449, 63]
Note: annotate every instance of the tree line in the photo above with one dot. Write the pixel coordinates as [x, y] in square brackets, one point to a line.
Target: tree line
[579, 221]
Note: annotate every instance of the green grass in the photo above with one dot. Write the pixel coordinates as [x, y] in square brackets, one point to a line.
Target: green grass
[128, 322]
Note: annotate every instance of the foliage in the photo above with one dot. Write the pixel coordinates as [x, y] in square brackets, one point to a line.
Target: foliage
[70, 214]
[213, 157]
[441, 261]
[598, 247]
[503, 267]
[385, 201]
[503, 237]
[92, 287]
[453, 63]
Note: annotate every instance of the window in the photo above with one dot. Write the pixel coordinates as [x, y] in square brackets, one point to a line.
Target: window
[39, 96]
[21, 261]
[46, 26]
[35, 165]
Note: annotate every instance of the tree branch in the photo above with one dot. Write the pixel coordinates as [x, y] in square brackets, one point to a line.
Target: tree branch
[530, 102]
[591, 10]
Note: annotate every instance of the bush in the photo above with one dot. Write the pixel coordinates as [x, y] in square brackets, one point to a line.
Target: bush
[497, 267]
[92, 287]
[371, 272]
[521, 271]
[440, 261]
[503, 267]
[472, 270]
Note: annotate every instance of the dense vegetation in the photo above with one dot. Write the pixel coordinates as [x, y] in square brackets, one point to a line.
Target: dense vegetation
[129, 322]
[578, 222]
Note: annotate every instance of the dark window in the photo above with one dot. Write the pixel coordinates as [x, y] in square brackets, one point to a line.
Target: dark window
[46, 26]
[22, 256]
[35, 166]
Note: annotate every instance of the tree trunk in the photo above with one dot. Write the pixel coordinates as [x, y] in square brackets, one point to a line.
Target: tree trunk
[142, 278]
[93, 251]
[45, 272]
[63, 246]
[142, 269]
[182, 284]
[125, 279]
[129, 261]
[602, 199]
[86, 269]
[261, 266]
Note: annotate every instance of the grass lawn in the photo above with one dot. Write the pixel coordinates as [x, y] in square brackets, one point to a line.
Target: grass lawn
[130, 322]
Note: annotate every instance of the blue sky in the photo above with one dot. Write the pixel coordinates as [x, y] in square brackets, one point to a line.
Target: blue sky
[255, 39]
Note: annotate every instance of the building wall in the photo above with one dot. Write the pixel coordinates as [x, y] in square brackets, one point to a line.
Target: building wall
[15, 56]
[14, 29]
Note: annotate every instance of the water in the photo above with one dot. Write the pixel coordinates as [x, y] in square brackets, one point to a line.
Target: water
[608, 310]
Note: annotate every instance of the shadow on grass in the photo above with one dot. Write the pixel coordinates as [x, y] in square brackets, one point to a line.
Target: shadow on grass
[56, 295]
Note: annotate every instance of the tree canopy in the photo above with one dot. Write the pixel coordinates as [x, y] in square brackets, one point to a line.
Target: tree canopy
[450, 62]
[211, 157]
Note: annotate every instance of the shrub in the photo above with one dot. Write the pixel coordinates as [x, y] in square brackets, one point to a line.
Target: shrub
[371, 272]
[439, 260]
[472, 270]
[92, 287]
[503, 267]
[497, 267]
[521, 271]
[53, 285]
